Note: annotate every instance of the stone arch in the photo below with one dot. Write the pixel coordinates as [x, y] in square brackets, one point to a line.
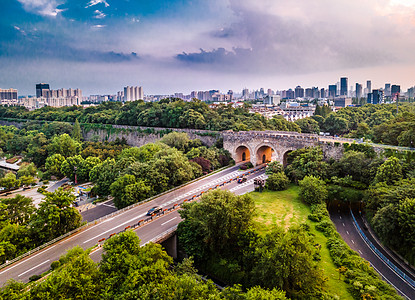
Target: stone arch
[285, 157]
[242, 153]
[264, 154]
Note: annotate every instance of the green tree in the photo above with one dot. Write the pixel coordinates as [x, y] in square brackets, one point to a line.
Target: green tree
[9, 181]
[313, 190]
[178, 140]
[103, 175]
[220, 218]
[274, 167]
[406, 220]
[63, 144]
[55, 216]
[118, 189]
[308, 125]
[19, 209]
[277, 182]
[285, 261]
[76, 131]
[336, 125]
[27, 170]
[390, 171]
[54, 164]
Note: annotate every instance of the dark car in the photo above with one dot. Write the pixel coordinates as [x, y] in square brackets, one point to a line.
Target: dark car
[241, 180]
[154, 210]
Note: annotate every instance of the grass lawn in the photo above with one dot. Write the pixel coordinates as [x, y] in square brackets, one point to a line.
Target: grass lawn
[285, 209]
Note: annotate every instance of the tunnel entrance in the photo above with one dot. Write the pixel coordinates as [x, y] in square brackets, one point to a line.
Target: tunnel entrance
[242, 154]
[265, 154]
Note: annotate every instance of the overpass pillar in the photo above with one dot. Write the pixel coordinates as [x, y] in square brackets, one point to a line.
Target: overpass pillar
[171, 246]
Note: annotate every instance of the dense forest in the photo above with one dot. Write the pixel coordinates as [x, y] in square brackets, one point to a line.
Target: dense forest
[378, 123]
[127, 271]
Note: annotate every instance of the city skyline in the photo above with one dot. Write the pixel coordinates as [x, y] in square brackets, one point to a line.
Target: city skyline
[101, 46]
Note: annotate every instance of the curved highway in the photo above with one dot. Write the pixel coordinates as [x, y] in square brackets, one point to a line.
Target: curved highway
[343, 221]
[39, 262]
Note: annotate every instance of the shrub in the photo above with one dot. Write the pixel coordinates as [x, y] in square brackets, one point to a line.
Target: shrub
[277, 182]
[313, 190]
[34, 278]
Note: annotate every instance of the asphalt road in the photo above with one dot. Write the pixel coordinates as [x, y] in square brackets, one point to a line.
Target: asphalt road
[342, 218]
[40, 261]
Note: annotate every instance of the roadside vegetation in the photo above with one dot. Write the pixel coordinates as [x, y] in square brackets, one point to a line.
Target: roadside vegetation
[56, 150]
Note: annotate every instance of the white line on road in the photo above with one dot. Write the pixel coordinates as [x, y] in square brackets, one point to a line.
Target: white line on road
[360, 252]
[109, 205]
[26, 260]
[112, 229]
[347, 232]
[168, 221]
[352, 241]
[340, 217]
[343, 225]
[33, 268]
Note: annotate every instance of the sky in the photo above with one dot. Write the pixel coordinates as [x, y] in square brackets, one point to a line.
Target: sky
[169, 46]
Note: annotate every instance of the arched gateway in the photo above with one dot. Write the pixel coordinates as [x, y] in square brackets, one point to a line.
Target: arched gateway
[264, 146]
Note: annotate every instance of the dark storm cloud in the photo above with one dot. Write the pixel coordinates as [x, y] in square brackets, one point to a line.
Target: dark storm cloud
[276, 42]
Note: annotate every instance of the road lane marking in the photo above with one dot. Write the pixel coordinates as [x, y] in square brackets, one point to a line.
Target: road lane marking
[33, 268]
[347, 232]
[340, 217]
[112, 229]
[352, 241]
[344, 225]
[8, 269]
[168, 221]
[360, 252]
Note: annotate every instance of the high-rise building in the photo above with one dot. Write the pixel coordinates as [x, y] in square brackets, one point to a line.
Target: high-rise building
[322, 93]
[42, 89]
[299, 92]
[359, 90]
[245, 93]
[395, 90]
[8, 94]
[133, 93]
[376, 97]
[309, 93]
[369, 86]
[388, 92]
[332, 91]
[343, 86]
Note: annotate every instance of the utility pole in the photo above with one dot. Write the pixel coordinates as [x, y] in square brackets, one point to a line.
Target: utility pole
[397, 103]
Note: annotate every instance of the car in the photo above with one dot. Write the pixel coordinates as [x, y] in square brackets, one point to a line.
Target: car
[241, 180]
[154, 210]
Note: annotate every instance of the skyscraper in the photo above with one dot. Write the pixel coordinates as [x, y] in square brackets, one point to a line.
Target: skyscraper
[332, 91]
[42, 89]
[376, 97]
[299, 92]
[395, 90]
[133, 93]
[388, 90]
[8, 94]
[369, 86]
[359, 90]
[343, 86]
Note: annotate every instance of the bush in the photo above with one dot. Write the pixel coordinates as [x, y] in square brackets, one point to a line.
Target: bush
[34, 278]
[313, 190]
[54, 265]
[277, 182]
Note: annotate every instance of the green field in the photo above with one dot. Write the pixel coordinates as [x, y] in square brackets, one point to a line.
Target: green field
[285, 209]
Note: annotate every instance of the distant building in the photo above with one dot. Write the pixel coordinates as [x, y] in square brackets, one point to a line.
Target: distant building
[41, 89]
[299, 92]
[133, 93]
[343, 86]
[359, 90]
[388, 91]
[332, 91]
[272, 100]
[8, 94]
[369, 86]
[395, 90]
[322, 93]
[376, 97]
[342, 101]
